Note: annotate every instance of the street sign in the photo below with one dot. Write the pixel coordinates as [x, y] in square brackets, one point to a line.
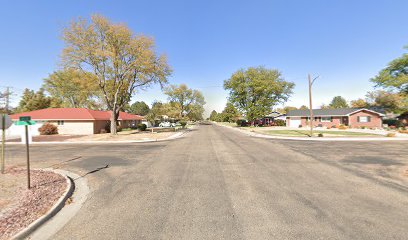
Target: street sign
[5, 121]
[24, 123]
[25, 118]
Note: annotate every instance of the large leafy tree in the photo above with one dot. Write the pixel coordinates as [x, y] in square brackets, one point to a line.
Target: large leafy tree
[230, 113]
[139, 108]
[389, 101]
[122, 62]
[254, 91]
[159, 110]
[213, 115]
[359, 103]
[31, 101]
[74, 88]
[190, 102]
[394, 76]
[338, 102]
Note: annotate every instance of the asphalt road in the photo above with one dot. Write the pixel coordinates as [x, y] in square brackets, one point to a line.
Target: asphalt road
[216, 183]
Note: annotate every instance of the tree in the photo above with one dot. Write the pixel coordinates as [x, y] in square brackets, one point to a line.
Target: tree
[159, 110]
[394, 76]
[286, 109]
[304, 107]
[213, 115]
[359, 103]
[187, 99]
[74, 88]
[230, 113]
[139, 108]
[338, 102]
[389, 101]
[122, 62]
[196, 112]
[254, 91]
[31, 101]
[324, 106]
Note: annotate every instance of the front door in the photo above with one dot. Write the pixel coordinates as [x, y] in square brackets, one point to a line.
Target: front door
[344, 120]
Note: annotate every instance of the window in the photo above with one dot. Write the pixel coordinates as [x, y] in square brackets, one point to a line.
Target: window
[326, 119]
[60, 122]
[364, 119]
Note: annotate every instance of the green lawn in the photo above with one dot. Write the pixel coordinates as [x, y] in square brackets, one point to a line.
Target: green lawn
[305, 133]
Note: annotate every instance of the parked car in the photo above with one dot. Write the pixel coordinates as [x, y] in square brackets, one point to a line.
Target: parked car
[167, 124]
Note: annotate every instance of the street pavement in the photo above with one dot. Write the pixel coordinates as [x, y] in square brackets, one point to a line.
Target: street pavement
[217, 183]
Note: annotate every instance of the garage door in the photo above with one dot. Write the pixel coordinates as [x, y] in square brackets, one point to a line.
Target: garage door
[294, 122]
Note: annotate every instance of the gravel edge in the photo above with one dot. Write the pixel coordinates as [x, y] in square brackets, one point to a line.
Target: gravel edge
[50, 213]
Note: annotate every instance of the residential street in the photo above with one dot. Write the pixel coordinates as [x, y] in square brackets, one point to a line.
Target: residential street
[217, 183]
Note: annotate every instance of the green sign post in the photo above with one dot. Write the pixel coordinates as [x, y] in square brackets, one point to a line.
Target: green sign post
[26, 121]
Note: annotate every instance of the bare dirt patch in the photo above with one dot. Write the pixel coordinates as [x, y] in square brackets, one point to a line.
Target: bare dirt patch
[19, 206]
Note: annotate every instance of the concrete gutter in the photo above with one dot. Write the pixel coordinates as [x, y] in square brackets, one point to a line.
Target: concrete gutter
[52, 212]
[56, 223]
[324, 139]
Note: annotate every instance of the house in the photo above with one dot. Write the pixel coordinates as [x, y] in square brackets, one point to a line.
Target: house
[353, 117]
[78, 121]
[270, 118]
[403, 118]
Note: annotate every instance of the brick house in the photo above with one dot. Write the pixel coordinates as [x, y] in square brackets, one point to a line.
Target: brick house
[78, 121]
[353, 117]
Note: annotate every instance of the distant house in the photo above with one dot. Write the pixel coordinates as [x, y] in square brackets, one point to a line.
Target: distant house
[403, 118]
[353, 117]
[268, 120]
[272, 117]
[78, 121]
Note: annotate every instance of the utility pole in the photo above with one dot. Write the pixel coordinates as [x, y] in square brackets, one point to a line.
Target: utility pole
[310, 103]
[7, 95]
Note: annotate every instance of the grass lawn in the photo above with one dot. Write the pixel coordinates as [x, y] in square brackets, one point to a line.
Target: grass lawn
[305, 133]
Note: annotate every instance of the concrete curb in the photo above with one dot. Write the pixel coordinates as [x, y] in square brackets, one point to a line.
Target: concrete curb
[259, 135]
[172, 137]
[56, 223]
[50, 213]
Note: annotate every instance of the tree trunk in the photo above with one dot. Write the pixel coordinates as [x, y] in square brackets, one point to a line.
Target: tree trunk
[114, 122]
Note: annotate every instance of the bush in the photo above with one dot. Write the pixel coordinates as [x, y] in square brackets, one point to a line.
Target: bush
[141, 127]
[320, 135]
[241, 122]
[393, 122]
[108, 125]
[48, 129]
[342, 127]
[403, 131]
[183, 124]
[279, 122]
[390, 135]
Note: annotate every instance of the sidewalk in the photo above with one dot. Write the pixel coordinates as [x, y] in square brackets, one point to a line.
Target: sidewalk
[89, 140]
[260, 135]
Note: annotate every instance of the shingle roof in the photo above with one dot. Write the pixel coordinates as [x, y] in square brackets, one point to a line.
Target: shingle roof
[73, 114]
[327, 112]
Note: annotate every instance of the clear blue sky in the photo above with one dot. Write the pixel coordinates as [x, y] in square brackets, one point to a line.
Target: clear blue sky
[345, 42]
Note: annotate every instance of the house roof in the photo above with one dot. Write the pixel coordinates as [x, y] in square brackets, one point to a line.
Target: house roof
[73, 114]
[274, 114]
[329, 112]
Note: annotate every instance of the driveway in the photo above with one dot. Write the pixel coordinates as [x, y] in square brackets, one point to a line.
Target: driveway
[217, 183]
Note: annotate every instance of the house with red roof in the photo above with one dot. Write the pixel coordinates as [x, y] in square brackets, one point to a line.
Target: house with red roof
[79, 121]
